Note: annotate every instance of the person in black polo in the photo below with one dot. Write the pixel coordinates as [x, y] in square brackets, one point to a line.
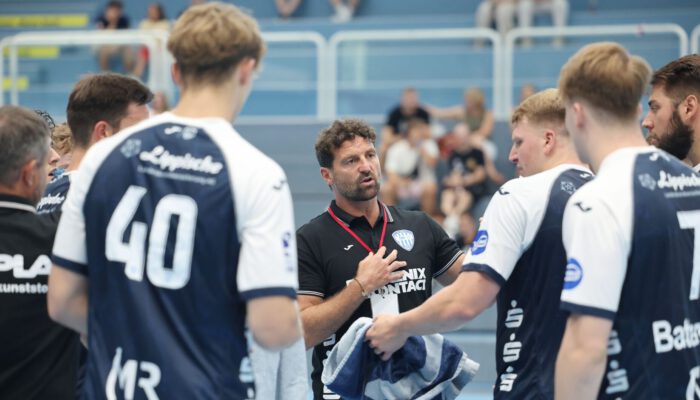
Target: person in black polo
[38, 358]
[362, 258]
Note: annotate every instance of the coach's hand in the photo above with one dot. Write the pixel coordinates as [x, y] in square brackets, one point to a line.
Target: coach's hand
[385, 336]
[375, 270]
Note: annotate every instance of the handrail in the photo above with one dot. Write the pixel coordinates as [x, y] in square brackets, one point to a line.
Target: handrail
[695, 40]
[155, 41]
[404, 35]
[594, 30]
[321, 56]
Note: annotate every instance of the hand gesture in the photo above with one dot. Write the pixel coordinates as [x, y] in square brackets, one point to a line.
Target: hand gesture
[375, 270]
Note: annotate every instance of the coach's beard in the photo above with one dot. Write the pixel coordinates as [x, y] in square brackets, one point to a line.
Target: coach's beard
[360, 190]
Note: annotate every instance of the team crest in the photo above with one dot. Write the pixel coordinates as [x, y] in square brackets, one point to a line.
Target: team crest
[568, 187]
[647, 181]
[404, 238]
[131, 148]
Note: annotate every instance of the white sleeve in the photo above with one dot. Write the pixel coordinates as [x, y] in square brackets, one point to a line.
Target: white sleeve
[498, 244]
[70, 244]
[267, 263]
[597, 250]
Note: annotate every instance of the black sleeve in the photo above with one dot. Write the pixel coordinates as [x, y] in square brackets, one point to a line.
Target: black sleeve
[311, 277]
[446, 249]
[422, 114]
[393, 119]
[479, 156]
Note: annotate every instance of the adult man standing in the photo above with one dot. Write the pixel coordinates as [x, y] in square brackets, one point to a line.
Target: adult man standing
[349, 255]
[99, 106]
[38, 358]
[517, 257]
[631, 235]
[181, 231]
[673, 119]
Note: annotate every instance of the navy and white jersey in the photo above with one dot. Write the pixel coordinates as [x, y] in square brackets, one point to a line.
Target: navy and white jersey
[519, 246]
[632, 238]
[54, 195]
[176, 223]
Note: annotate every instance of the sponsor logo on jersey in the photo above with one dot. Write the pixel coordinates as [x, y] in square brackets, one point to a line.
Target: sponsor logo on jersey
[413, 280]
[186, 133]
[677, 182]
[581, 207]
[348, 247]
[404, 238]
[51, 200]
[287, 250]
[502, 191]
[573, 274]
[647, 181]
[132, 374]
[568, 187]
[680, 337]
[480, 242]
[131, 148]
[15, 263]
[171, 162]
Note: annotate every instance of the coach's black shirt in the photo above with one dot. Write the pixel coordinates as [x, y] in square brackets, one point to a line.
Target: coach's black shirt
[329, 255]
[38, 358]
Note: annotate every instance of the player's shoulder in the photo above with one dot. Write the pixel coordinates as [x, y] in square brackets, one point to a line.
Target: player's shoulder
[538, 186]
[316, 228]
[403, 216]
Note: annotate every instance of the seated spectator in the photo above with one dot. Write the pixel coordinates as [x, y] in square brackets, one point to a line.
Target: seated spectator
[155, 21]
[285, 8]
[344, 9]
[467, 231]
[113, 18]
[478, 118]
[465, 181]
[410, 169]
[503, 12]
[395, 128]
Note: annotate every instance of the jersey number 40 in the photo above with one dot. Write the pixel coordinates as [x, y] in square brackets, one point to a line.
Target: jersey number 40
[133, 252]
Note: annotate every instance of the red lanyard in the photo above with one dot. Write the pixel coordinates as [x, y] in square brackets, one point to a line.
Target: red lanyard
[348, 230]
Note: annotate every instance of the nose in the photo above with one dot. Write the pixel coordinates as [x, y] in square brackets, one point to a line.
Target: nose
[364, 165]
[647, 122]
[513, 155]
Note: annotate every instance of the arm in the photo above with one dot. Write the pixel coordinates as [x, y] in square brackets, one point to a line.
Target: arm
[581, 360]
[476, 177]
[274, 321]
[455, 112]
[67, 299]
[449, 276]
[447, 310]
[322, 318]
[486, 127]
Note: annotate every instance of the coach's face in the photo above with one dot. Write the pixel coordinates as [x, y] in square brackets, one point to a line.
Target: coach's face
[527, 151]
[667, 130]
[355, 173]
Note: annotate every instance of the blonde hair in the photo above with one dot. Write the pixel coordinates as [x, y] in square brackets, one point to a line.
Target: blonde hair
[61, 139]
[606, 76]
[209, 41]
[545, 106]
[475, 97]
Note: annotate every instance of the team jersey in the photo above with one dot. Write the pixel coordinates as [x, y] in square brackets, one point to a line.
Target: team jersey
[631, 238]
[176, 223]
[54, 195]
[518, 245]
[328, 259]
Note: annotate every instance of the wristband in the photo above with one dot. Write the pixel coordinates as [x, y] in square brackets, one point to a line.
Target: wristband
[362, 289]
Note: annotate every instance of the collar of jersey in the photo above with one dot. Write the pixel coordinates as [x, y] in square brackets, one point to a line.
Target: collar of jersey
[349, 219]
[15, 202]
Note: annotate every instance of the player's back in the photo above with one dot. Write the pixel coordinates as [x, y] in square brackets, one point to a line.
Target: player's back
[163, 245]
[654, 201]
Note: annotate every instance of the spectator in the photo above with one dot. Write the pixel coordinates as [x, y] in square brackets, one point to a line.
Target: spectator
[395, 128]
[155, 21]
[467, 231]
[285, 8]
[526, 91]
[478, 118]
[466, 180]
[410, 169]
[113, 18]
[503, 11]
[344, 9]
[160, 103]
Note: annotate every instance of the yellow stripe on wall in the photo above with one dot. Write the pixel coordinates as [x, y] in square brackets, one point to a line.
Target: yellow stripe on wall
[22, 83]
[45, 20]
[36, 52]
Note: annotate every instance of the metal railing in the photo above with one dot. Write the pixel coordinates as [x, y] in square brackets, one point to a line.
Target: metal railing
[343, 37]
[580, 31]
[155, 41]
[695, 40]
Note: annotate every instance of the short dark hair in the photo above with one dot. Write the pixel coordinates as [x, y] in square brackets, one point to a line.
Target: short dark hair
[679, 78]
[115, 4]
[102, 97]
[340, 131]
[24, 136]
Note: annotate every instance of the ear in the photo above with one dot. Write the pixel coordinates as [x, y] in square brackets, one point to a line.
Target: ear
[100, 131]
[175, 72]
[327, 176]
[580, 115]
[550, 141]
[689, 108]
[28, 172]
[246, 71]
